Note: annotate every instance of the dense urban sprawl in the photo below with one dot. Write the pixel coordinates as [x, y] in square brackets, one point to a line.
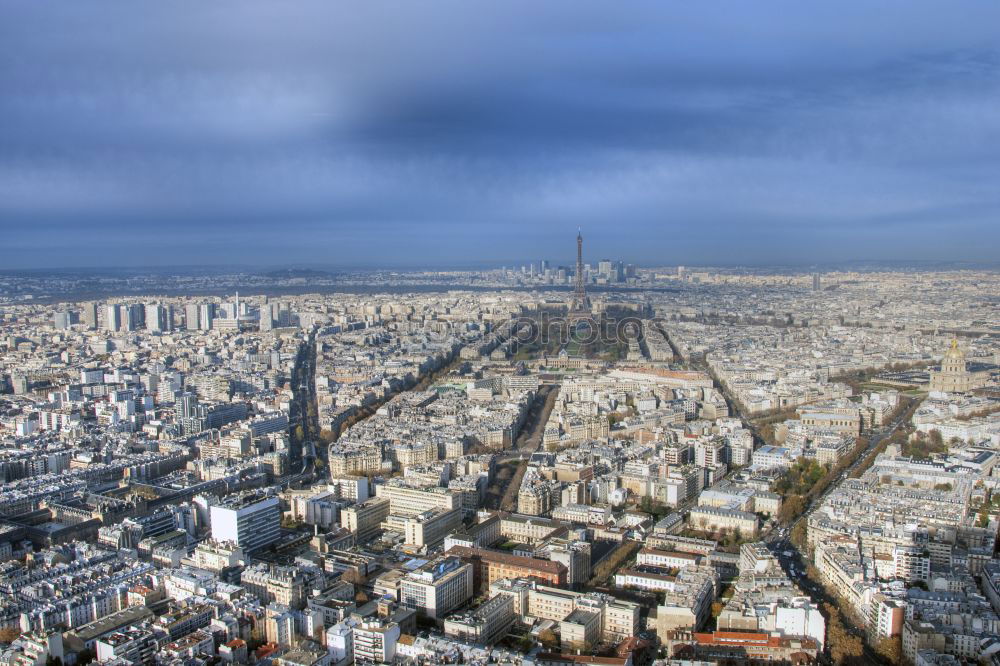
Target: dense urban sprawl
[781, 467]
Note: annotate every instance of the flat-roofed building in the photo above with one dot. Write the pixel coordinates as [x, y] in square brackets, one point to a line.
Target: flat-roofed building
[581, 629]
[375, 642]
[132, 645]
[619, 619]
[772, 457]
[406, 501]
[429, 529]
[688, 599]
[88, 634]
[349, 488]
[438, 587]
[574, 555]
[485, 624]
[885, 617]
[364, 519]
[250, 522]
[646, 578]
[550, 603]
[214, 556]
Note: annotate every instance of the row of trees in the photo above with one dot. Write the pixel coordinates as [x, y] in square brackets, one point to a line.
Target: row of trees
[845, 647]
[902, 413]
[897, 438]
[801, 493]
[613, 561]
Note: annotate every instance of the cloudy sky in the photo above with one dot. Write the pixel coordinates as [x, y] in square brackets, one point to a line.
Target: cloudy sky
[459, 133]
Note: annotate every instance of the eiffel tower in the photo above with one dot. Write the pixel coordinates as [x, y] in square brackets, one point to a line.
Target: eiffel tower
[581, 304]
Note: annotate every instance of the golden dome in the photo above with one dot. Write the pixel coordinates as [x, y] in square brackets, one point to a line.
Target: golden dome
[954, 351]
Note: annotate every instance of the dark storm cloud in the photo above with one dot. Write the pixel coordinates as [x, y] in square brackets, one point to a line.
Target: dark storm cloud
[457, 132]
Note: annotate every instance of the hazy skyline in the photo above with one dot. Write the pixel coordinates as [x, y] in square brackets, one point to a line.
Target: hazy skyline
[457, 133]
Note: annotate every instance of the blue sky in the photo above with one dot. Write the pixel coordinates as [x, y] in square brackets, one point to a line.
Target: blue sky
[457, 133]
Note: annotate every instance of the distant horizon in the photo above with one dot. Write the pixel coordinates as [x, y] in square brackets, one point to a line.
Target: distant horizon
[870, 265]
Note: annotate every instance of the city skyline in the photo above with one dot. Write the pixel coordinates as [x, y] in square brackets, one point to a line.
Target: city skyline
[539, 334]
[427, 136]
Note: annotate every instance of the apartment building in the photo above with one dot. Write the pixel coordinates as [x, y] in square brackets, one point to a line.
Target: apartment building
[485, 624]
[251, 522]
[281, 584]
[347, 459]
[429, 529]
[619, 619]
[365, 518]
[406, 501]
[375, 642]
[688, 599]
[438, 587]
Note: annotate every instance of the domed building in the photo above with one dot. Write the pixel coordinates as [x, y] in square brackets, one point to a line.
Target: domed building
[954, 375]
